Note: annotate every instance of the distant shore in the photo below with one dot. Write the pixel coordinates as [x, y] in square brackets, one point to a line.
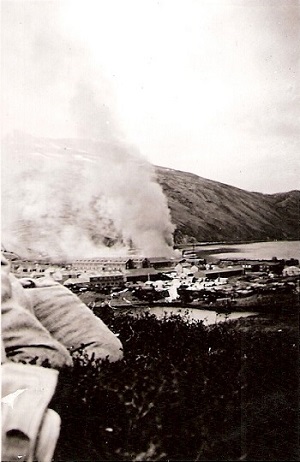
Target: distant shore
[234, 242]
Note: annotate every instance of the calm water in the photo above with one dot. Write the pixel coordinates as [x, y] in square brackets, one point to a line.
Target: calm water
[208, 317]
[256, 250]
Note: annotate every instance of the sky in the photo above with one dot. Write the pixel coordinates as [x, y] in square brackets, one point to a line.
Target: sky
[210, 87]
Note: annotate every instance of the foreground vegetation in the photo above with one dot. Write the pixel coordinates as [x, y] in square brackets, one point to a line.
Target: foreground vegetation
[184, 392]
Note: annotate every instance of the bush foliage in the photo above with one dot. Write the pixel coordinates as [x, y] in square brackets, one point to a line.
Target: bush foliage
[183, 392]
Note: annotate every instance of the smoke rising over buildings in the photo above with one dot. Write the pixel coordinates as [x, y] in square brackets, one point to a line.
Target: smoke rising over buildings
[209, 87]
[77, 188]
[81, 198]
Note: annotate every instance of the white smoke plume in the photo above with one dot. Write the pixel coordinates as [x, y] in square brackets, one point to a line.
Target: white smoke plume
[89, 193]
[78, 198]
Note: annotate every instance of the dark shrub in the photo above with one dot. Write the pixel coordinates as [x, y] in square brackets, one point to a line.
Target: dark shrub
[183, 392]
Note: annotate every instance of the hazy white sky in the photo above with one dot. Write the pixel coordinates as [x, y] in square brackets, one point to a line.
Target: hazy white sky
[205, 86]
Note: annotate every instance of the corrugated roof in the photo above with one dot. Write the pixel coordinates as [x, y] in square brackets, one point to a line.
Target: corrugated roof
[224, 270]
[108, 260]
[141, 272]
[80, 280]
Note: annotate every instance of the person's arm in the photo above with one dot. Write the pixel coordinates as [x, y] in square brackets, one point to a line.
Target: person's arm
[71, 322]
[24, 338]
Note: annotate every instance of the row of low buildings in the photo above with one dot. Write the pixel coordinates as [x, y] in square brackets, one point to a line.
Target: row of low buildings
[273, 266]
[93, 264]
[121, 264]
[104, 272]
[115, 271]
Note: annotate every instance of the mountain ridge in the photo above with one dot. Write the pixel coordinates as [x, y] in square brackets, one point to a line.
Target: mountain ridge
[107, 193]
[207, 210]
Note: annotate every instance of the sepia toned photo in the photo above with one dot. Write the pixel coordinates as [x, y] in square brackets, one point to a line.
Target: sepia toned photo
[150, 230]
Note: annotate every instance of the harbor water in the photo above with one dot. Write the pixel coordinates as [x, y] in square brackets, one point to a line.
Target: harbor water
[254, 251]
[194, 314]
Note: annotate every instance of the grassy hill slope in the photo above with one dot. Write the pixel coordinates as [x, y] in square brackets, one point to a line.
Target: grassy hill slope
[206, 210]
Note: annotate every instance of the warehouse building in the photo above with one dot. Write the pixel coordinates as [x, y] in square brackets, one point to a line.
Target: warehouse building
[108, 264]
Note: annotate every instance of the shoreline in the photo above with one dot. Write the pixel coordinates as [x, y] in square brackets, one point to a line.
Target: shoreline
[258, 304]
[234, 242]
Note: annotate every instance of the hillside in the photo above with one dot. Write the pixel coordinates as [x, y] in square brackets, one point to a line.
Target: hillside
[206, 210]
[101, 195]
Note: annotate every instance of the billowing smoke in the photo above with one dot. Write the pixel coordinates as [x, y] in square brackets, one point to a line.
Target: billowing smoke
[85, 195]
[81, 198]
